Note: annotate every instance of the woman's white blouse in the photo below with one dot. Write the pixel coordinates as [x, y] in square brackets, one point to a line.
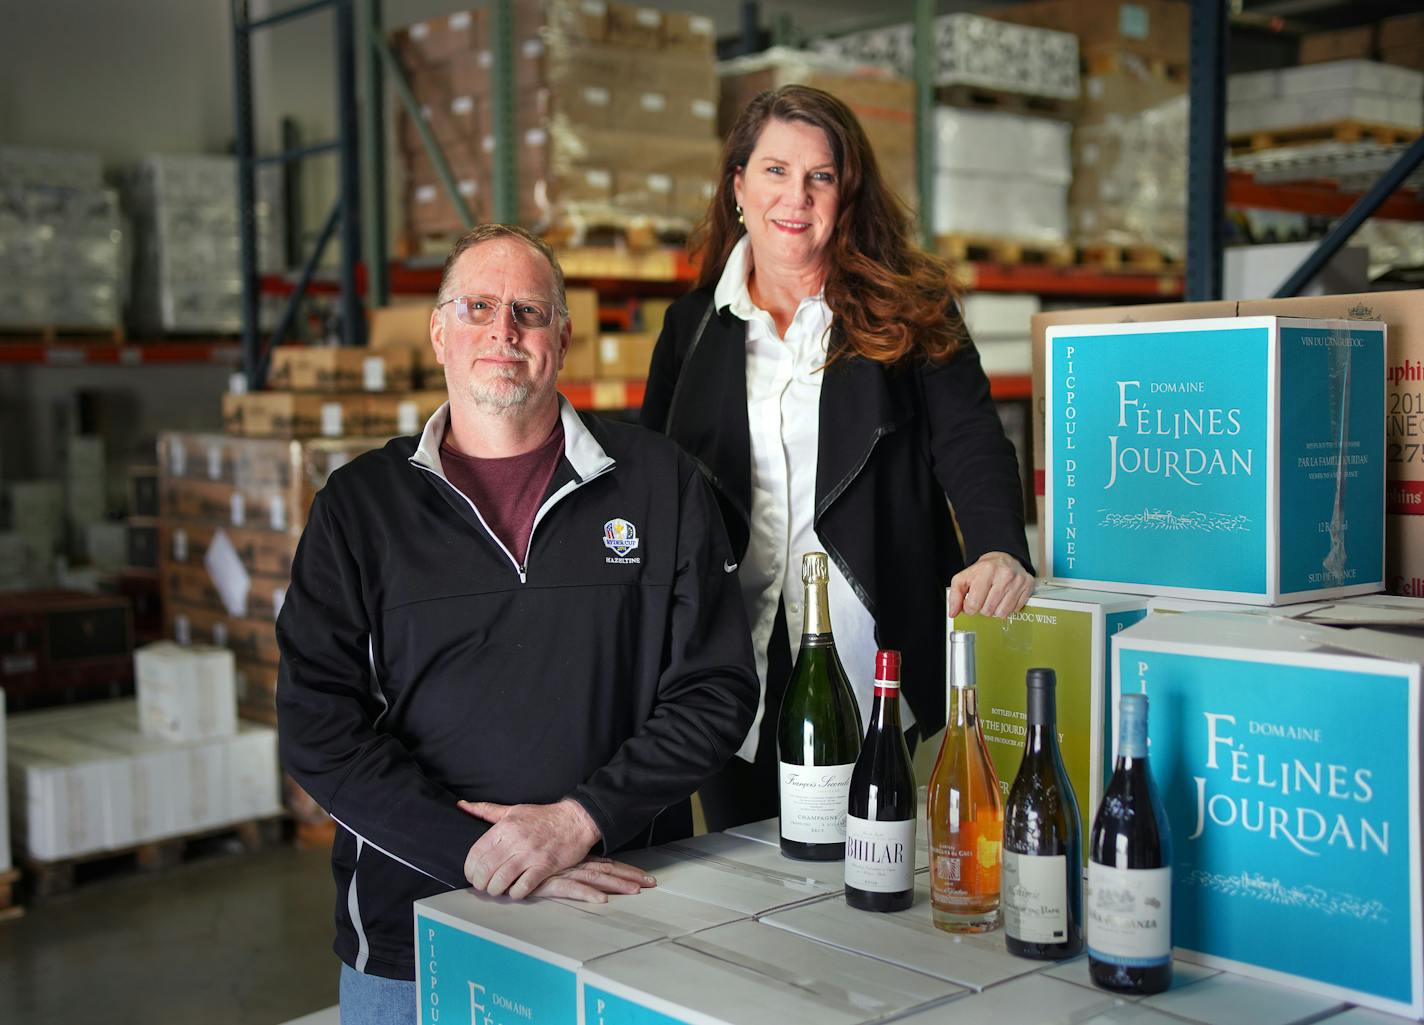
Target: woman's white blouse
[783, 411]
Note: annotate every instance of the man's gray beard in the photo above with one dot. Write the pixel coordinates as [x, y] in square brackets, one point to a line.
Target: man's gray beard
[503, 398]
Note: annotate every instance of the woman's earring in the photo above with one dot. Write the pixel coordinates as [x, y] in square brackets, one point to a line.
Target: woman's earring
[740, 218]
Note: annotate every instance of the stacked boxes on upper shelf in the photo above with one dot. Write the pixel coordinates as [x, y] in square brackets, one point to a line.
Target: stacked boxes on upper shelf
[972, 50]
[1001, 174]
[1001, 168]
[186, 261]
[1130, 124]
[61, 242]
[333, 392]
[615, 114]
[1324, 94]
[883, 102]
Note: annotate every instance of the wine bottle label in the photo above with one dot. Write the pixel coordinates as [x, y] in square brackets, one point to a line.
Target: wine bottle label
[966, 864]
[880, 856]
[1035, 897]
[813, 802]
[1129, 916]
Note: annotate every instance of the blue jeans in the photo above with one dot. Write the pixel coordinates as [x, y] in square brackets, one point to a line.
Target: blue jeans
[372, 1000]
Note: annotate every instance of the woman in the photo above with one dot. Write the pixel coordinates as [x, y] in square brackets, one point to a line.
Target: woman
[823, 380]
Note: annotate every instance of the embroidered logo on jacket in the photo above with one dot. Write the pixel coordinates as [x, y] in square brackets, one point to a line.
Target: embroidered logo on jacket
[620, 537]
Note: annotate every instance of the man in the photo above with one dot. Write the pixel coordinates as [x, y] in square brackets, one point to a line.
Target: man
[510, 642]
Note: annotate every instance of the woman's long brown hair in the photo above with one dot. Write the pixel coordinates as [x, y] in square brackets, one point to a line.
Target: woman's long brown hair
[890, 298]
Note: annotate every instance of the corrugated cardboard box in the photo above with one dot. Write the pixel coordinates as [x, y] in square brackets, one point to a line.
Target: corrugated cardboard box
[1403, 313]
[1339, 44]
[625, 354]
[1236, 458]
[1287, 758]
[336, 369]
[1153, 28]
[274, 414]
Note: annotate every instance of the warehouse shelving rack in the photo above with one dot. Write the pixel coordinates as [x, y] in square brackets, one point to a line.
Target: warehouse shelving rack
[1210, 189]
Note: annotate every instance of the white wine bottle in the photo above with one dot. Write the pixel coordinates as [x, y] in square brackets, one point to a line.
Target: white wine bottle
[817, 734]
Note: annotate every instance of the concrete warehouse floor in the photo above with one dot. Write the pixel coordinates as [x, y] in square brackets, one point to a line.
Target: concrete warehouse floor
[231, 939]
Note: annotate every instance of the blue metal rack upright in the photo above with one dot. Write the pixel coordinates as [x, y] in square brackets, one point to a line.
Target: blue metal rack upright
[345, 213]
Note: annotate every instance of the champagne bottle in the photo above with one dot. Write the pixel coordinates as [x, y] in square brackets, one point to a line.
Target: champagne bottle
[1043, 842]
[966, 815]
[817, 734]
[1130, 870]
[880, 826]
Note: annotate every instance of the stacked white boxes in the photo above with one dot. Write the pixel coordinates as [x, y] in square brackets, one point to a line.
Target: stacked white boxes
[61, 242]
[185, 693]
[85, 489]
[84, 780]
[1001, 174]
[975, 51]
[36, 510]
[187, 275]
[1318, 94]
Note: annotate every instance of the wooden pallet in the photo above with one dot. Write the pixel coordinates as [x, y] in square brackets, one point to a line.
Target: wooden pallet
[1338, 131]
[51, 878]
[975, 97]
[960, 248]
[53, 334]
[9, 905]
[1141, 259]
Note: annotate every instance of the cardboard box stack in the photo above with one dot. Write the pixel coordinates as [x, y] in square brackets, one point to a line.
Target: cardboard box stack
[1130, 124]
[186, 260]
[1404, 428]
[615, 116]
[1287, 757]
[404, 328]
[35, 535]
[973, 50]
[85, 779]
[333, 392]
[1398, 40]
[61, 242]
[883, 101]
[1001, 174]
[231, 512]
[1325, 94]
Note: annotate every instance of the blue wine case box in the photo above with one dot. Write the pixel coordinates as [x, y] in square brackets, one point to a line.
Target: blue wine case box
[1287, 755]
[1238, 459]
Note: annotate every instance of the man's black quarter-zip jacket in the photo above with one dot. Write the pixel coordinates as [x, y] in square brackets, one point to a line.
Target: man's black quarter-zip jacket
[422, 665]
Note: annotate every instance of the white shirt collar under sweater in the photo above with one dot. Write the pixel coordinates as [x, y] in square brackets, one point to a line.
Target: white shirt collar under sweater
[783, 412]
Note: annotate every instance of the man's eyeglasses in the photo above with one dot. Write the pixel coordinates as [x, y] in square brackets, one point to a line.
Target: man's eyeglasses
[479, 310]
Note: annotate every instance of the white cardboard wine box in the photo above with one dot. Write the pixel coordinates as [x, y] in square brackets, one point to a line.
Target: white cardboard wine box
[1033, 1000]
[486, 958]
[742, 875]
[1070, 631]
[749, 974]
[1236, 459]
[185, 692]
[907, 938]
[1287, 756]
[59, 795]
